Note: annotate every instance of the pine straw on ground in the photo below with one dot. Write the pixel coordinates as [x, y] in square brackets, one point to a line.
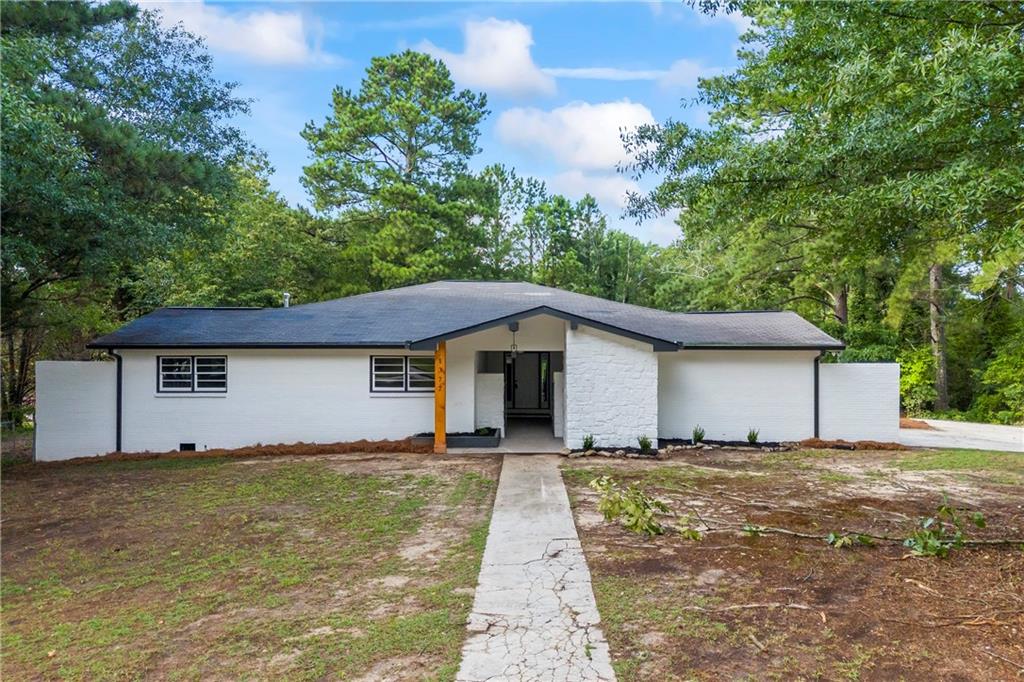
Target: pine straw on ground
[278, 450]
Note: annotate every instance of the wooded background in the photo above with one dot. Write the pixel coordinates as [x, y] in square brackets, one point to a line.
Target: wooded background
[863, 166]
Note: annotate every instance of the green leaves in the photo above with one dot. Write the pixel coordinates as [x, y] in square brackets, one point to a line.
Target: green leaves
[637, 510]
[114, 139]
[938, 535]
[391, 160]
[407, 125]
[841, 540]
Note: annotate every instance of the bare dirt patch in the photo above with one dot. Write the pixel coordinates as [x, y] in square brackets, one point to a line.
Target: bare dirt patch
[267, 568]
[733, 606]
[909, 423]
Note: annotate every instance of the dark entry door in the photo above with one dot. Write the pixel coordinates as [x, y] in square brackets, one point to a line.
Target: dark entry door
[528, 383]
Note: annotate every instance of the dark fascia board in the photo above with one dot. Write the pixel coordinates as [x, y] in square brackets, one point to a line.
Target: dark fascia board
[228, 346]
[430, 342]
[819, 347]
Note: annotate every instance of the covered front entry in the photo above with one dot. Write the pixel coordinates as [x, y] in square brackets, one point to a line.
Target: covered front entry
[529, 401]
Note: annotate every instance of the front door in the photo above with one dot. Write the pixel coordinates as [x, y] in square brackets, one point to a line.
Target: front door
[528, 383]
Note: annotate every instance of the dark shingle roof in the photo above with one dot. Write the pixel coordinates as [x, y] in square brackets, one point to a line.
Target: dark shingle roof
[416, 316]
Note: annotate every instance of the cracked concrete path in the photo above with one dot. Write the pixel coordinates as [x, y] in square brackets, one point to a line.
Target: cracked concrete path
[534, 615]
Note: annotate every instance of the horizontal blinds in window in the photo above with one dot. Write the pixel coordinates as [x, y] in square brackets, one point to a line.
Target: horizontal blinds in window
[211, 374]
[175, 374]
[388, 373]
[421, 373]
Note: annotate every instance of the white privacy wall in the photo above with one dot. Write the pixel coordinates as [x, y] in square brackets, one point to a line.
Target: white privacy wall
[75, 409]
[558, 404]
[859, 401]
[611, 389]
[274, 396]
[729, 392]
[490, 401]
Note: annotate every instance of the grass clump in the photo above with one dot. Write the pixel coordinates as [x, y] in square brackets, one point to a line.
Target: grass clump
[960, 460]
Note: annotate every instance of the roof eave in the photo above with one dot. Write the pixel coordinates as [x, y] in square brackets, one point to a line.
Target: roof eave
[429, 343]
[709, 346]
[268, 345]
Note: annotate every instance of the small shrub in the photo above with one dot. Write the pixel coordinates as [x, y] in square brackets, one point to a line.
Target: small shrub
[752, 435]
[645, 443]
[588, 441]
[636, 509]
[698, 434]
[945, 531]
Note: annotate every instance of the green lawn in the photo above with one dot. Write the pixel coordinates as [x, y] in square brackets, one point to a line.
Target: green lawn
[188, 569]
[961, 460]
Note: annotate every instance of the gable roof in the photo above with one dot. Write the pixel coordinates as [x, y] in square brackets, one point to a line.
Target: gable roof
[419, 316]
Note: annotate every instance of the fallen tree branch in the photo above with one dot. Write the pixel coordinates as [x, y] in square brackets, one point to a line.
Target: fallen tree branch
[1015, 664]
[774, 530]
[740, 607]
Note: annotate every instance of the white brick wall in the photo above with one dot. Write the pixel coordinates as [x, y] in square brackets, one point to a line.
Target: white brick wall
[490, 401]
[558, 404]
[75, 409]
[611, 389]
[729, 392]
[274, 396]
[859, 401]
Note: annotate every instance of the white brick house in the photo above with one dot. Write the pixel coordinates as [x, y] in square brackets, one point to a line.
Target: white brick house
[450, 357]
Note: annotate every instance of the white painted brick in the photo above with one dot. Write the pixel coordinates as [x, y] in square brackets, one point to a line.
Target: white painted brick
[274, 396]
[611, 389]
[75, 409]
[859, 401]
[558, 404]
[729, 392]
[490, 401]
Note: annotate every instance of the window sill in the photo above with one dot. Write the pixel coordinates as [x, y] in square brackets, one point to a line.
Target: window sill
[402, 394]
[190, 395]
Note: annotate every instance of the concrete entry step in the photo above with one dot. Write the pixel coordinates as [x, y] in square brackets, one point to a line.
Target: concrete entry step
[534, 616]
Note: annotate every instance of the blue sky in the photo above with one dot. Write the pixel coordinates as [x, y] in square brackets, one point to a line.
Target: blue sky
[561, 79]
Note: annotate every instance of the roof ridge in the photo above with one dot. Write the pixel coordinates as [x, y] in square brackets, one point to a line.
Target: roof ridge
[731, 312]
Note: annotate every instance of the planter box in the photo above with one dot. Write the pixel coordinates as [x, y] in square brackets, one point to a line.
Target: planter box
[462, 440]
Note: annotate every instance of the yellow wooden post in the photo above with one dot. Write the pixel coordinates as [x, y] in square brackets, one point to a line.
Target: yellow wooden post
[440, 387]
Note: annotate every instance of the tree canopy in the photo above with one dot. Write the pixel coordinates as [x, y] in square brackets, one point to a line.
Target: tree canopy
[865, 165]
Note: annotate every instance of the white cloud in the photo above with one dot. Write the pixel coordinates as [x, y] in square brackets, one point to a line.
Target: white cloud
[610, 190]
[264, 36]
[496, 58]
[606, 73]
[579, 135]
[662, 230]
[683, 73]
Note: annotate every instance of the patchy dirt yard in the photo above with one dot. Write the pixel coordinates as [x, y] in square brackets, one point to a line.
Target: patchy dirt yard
[734, 606]
[327, 567]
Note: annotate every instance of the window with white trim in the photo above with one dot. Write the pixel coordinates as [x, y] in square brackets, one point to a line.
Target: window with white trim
[192, 374]
[401, 374]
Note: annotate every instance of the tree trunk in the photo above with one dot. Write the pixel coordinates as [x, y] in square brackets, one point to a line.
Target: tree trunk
[938, 333]
[842, 306]
[19, 351]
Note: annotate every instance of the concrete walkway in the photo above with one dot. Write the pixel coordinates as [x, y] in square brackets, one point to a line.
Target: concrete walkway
[534, 615]
[950, 434]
